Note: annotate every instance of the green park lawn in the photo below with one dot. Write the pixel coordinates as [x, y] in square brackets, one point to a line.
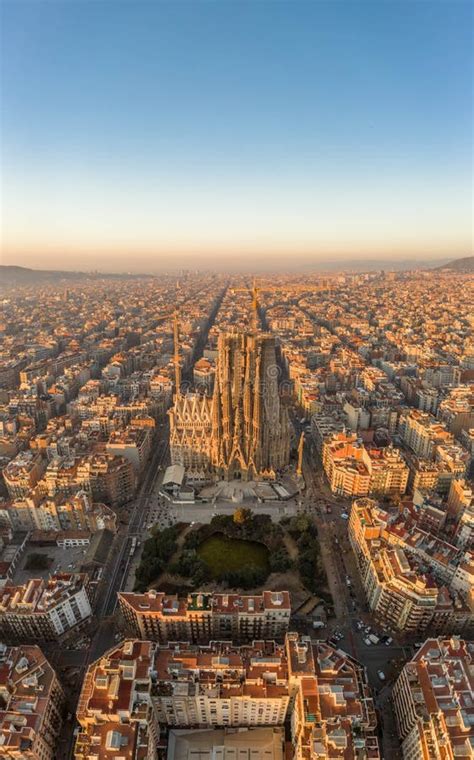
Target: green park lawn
[223, 555]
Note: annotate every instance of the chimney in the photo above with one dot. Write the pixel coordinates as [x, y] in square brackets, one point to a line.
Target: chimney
[301, 651]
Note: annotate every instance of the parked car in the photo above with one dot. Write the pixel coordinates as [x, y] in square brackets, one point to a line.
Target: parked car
[367, 641]
[381, 675]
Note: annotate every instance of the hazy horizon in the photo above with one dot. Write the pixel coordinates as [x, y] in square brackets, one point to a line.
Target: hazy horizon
[142, 137]
[175, 263]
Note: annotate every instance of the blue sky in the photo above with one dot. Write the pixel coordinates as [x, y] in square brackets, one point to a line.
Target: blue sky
[135, 132]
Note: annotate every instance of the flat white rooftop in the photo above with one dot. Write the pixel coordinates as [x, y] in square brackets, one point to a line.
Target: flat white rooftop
[226, 744]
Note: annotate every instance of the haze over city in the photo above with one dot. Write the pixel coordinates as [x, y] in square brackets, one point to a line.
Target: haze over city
[236, 380]
[144, 136]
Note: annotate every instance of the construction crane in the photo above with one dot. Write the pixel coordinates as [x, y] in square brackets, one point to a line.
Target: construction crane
[256, 289]
[254, 292]
[174, 315]
[176, 361]
[299, 469]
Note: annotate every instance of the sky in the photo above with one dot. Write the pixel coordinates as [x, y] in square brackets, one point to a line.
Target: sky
[254, 134]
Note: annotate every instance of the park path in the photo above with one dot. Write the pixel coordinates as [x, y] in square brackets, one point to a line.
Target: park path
[291, 546]
[179, 545]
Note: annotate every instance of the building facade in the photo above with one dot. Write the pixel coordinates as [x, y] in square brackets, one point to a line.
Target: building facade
[222, 685]
[139, 686]
[31, 704]
[202, 617]
[44, 610]
[433, 698]
[115, 710]
[408, 576]
[333, 714]
[244, 431]
[191, 434]
[356, 470]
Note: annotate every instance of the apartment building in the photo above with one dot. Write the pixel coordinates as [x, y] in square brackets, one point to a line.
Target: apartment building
[344, 465]
[399, 595]
[423, 474]
[464, 535]
[133, 444]
[433, 699]
[116, 715]
[356, 470]
[222, 684]
[31, 704]
[461, 497]
[323, 427]
[201, 616]
[371, 377]
[44, 609]
[441, 375]
[139, 685]
[57, 514]
[408, 575]
[422, 433]
[261, 743]
[22, 474]
[457, 409]
[10, 372]
[108, 478]
[427, 399]
[333, 714]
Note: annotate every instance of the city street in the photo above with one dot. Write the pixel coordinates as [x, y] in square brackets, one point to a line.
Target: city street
[348, 595]
[106, 601]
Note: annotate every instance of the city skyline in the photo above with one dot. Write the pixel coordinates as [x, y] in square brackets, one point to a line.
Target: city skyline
[236, 380]
[235, 135]
[243, 505]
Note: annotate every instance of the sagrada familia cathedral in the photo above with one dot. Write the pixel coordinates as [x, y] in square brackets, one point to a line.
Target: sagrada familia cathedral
[242, 431]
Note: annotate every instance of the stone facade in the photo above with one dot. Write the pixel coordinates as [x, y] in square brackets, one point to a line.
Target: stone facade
[243, 432]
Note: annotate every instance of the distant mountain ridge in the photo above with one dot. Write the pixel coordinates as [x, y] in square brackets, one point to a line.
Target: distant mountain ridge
[464, 265]
[13, 275]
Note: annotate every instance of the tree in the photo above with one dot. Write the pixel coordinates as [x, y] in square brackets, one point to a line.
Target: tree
[37, 561]
[157, 550]
[280, 561]
[242, 515]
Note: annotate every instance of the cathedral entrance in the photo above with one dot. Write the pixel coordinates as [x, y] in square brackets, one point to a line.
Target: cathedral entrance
[234, 472]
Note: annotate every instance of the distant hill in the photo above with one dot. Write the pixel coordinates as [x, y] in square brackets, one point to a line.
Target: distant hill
[11, 275]
[372, 265]
[464, 265]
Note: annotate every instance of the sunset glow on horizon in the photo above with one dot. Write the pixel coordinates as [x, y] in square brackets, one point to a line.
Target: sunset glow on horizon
[328, 130]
